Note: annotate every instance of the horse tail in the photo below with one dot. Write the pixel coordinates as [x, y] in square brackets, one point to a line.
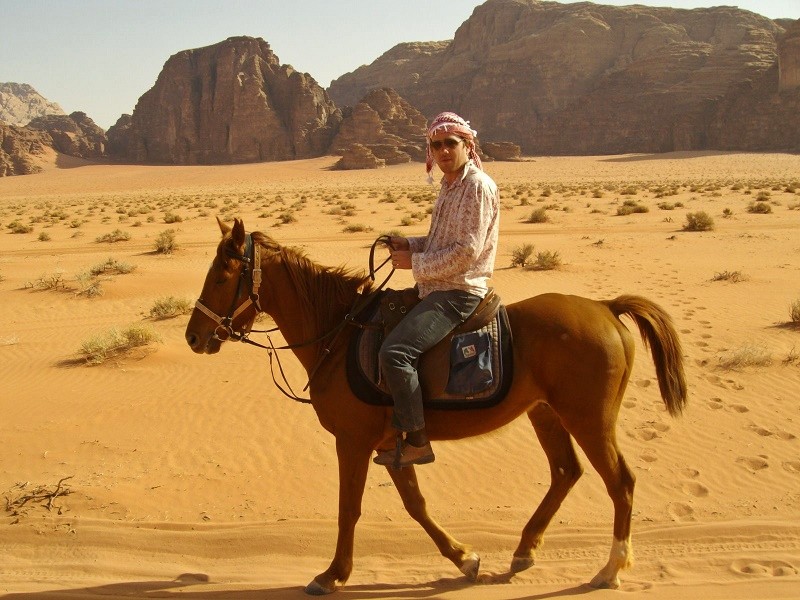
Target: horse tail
[658, 332]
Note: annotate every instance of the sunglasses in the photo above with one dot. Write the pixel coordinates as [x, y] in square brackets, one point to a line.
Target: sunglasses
[448, 143]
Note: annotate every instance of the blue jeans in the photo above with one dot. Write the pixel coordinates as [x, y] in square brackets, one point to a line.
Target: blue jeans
[421, 329]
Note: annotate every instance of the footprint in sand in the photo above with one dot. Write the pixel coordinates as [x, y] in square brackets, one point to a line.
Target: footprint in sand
[649, 457]
[661, 427]
[739, 408]
[690, 473]
[793, 466]
[701, 344]
[715, 404]
[694, 488]
[646, 434]
[761, 568]
[785, 435]
[680, 511]
[644, 383]
[762, 431]
[753, 463]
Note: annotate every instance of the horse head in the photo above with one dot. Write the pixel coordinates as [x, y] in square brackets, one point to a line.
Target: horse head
[228, 303]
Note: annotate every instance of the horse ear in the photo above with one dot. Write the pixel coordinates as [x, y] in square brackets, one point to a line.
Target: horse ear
[225, 229]
[238, 232]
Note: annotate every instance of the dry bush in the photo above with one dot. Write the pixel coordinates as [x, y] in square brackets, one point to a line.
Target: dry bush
[759, 208]
[356, 228]
[165, 242]
[746, 356]
[546, 260]
[732, 276]
[521, 255]
[115, 236]
[115, 342]
[111, 266]
[630, 207]
[698, 221]
[170, 306]
[794, 312]
[538, 216]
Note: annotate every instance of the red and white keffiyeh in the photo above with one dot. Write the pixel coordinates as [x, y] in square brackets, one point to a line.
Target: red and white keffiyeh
[450, 122]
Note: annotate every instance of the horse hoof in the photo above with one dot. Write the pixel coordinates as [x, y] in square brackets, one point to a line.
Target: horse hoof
[317, 589]
[601, 583]
[521, 563]
[471, 566]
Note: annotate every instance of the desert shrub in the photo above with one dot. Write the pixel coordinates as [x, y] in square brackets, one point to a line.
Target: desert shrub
[546, 261]
[732, 276]
[761, 208]
[356, 228]
[666, 206]
[98, 349]
[44, 236]
[165, 242]
[746, 356]
[286, 217]
[115, 236]
[51, 281]
[170, 306]
[172, 218]
[631, 206]
[727, 213]
[17, 227]
[88, 285]
[538, 216]
[762, 196]
[698, 221]
[111, 266]
[794, 312]
[521, 255]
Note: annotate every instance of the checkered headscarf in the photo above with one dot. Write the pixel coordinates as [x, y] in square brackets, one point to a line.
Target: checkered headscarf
[452, 123]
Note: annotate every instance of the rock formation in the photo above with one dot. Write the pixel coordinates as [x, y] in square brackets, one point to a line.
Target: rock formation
[789, 58]
[19, 147]
[387, 125]
[358, 156]
[584, 78]
[75, 135]
[231, 102]
[506, 151]
[20, 104]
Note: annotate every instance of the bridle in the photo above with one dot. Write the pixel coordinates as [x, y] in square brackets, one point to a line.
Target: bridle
[252, 265]
[225, 324]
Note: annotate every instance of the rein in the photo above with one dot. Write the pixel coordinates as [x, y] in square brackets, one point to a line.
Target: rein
[253, 299]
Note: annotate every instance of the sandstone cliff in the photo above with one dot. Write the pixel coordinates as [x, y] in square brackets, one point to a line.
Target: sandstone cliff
[585, 78]
[228, 103]
[20, 104]
[387, 125]
[74, 135]
[19, 148]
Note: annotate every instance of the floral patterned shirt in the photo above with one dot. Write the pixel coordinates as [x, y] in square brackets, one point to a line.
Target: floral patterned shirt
[460, 248]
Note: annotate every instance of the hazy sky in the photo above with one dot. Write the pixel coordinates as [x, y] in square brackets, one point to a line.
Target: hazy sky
[99, 56]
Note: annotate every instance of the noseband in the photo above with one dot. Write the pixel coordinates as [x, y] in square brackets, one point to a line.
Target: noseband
[251, 263]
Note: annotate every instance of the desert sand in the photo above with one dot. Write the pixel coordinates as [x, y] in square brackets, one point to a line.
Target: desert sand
[192, 476]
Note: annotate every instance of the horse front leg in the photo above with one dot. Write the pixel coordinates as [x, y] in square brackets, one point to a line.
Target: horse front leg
[353, 466]
[405, 480]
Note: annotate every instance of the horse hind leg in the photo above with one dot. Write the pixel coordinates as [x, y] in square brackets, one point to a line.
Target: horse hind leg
[565, 470]
[405, 480]
[620, 481]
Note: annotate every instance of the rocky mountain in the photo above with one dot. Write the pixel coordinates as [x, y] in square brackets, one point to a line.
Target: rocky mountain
[19, 149]
[228, 103]
[385, 124]
[75, 135]
[586, 78]
[20, 104]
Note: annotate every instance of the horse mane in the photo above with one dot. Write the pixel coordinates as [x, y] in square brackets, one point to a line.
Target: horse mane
[323, 291]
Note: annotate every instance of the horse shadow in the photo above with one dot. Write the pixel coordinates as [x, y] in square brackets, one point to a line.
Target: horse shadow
[191, 585]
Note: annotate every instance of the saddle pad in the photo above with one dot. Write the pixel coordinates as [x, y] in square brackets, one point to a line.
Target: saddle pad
[363, 372]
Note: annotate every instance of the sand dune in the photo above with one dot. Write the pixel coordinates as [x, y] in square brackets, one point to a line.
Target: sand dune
[193, 476]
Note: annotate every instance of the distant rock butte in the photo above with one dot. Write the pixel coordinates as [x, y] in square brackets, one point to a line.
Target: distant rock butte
[20, 104]
[586, 78]
[231, 102]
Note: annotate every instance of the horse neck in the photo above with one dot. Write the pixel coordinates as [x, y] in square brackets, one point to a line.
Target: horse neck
[297, 295]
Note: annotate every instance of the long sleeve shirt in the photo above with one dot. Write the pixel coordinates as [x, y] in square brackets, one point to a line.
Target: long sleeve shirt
[459, 250]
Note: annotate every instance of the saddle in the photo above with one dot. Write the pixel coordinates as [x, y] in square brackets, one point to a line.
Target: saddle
[470, 368]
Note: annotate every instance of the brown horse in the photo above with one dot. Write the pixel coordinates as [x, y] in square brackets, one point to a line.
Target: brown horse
[572, 361]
